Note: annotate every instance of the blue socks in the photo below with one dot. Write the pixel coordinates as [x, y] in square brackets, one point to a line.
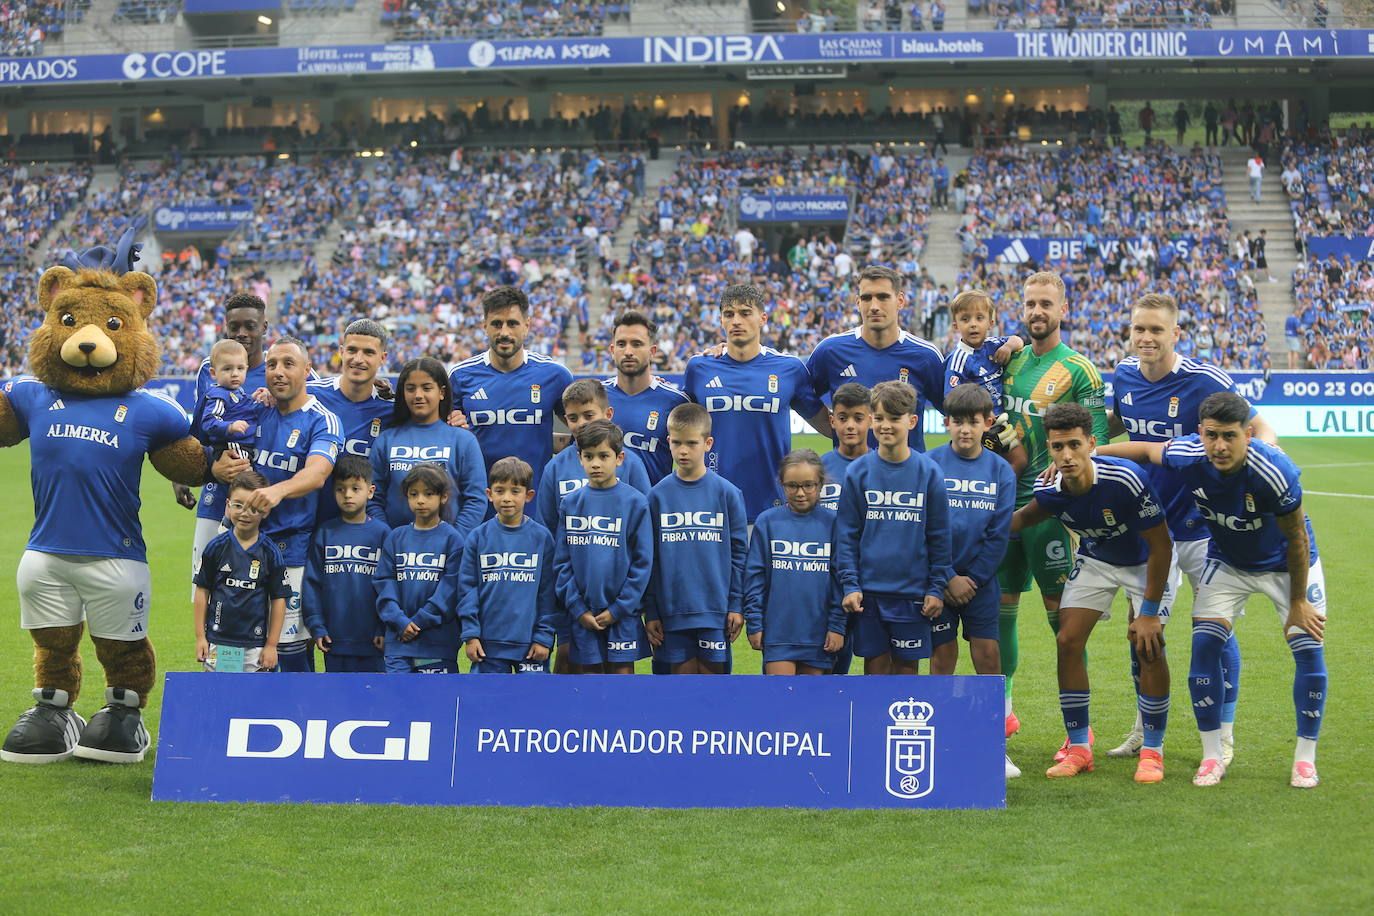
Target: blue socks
[1309, 684]
[1205, 682]
[1230, 673]
[1074, 705]
[1154, 716]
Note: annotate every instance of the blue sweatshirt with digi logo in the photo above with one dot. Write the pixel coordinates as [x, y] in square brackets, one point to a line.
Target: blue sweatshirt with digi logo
[338, 592]
[790, 590]
[699, 552]
[506, 588]
[564, 474]
[397, 450]
[892, 535]
[982, 496]
[417, 580]
[603, 550]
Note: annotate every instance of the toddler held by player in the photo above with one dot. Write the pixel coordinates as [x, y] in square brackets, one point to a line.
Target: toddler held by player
[980, 358]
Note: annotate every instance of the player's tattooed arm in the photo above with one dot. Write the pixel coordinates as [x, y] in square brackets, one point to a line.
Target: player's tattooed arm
[1114, 425]
[1263, 430]
[1139, 452]
[1301, 614]
[821, 422]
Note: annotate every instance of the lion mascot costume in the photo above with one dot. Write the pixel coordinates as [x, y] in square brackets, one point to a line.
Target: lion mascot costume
[90, 424]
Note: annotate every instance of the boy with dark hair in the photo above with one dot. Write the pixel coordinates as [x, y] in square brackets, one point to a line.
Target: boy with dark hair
[603, 556]
[506, 604]
[892, 540]
[241, 590]
[851, 417]
[700, 548]
[338, 597]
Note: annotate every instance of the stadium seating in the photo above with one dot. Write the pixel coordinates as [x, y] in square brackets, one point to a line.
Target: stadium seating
[1335, 299]
[432, 231]
[416, 19]
[1101, 14]
[1330, 184]
[147, 11]
[32, 201]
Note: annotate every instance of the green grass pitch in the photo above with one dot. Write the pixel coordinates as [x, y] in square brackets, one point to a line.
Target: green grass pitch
[85, 836]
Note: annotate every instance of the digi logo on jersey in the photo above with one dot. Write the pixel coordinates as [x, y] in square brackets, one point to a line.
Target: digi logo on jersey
[337, 553]
[806, 550]
[278, 461]
[510, 560]
[603, 524]
[976, 487]
[830, 493]
[278, 738]
[1230, 522]
[641, 442]
[571, 486]
[506, 416]
[910, 749]
[1156, 428]
[743, 403]
[901, 499]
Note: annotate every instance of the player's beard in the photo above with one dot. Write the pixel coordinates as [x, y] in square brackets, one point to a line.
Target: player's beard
[1049, 329]
[643, 367]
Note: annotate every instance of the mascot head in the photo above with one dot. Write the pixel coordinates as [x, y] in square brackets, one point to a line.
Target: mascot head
[95, 339]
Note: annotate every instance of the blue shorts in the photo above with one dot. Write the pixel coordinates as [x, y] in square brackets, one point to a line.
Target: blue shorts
[404, 664]
[705, 643]
[296, 656]
[812, 656]
[874, 636]
[334, 663]
[508, 666]
[624, 642]
[978, 618]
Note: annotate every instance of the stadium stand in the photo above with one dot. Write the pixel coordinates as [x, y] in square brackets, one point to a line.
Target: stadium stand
[32, 202]
[27, 26]
[1334, 301]
[1101, 14]
[431, 19]
[147, 11]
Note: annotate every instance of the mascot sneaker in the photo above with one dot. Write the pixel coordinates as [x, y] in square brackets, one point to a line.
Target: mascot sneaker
[116, 733]
[45, 734]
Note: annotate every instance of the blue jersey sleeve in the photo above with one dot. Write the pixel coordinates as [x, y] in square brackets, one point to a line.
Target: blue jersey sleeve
[388, 589]
[997, 534]
[381, 475]
[689, 378]
[640, 541]
[817, 373]
[312, 586]
[805, 401]
[568, 590]
[933, 383]
[1278, 489]
[633, 472]
[546, 497]
[547, 625]
[1146, 510]
[278, 585]
[739, 550]
[212, 422]
[327, 437]
[937, 535]
[756, 579]
[469, 581]
[170, 424]
[442, 604]
[1184, 453]
[849, 521]
[471, 492]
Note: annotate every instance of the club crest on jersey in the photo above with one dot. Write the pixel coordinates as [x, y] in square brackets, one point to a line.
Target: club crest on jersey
[120, 413]
[653, 420]
[903, 375]
[910, 749]
[1173, 407]
[1249, 502]
[534, 394]
[772, 384]
[294, 438]
[1049, 389]
[1109, 518]
[254, 569]
[376, 426]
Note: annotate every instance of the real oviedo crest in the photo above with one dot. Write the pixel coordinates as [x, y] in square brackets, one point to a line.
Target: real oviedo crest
[910, 749]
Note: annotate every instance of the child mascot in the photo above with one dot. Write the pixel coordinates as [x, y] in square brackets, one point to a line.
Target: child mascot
[90, 425]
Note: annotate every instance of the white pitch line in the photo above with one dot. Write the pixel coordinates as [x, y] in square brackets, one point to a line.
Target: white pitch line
[1338, 495]
[1343, 464]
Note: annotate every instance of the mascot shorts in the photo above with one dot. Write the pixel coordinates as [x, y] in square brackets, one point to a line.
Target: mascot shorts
[110, 594]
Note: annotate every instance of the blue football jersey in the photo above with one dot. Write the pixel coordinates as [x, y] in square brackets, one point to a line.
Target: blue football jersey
[1240, 507]
[750, 420]
[222, 409]
[242, 585]
[86, 462]
[836, 466]
[1109, 517]
[965, 364]
[511, 413]
[564, 475]
[1164, 410]
[284, 443]
[644, 418]
[847, 357]
[360, 422]
[213, 495]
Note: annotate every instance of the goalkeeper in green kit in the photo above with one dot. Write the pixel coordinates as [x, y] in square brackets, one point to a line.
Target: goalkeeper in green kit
[1047, 372]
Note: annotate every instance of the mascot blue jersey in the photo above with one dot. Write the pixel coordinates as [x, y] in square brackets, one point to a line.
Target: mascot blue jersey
[86, 463]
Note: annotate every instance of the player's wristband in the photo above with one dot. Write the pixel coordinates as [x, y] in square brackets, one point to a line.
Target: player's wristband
[1149, 608]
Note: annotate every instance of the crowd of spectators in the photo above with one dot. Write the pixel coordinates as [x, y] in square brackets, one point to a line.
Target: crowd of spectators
[1330, 183]
[431, 232]
[1101, 14]
[1333, 300]
[146, 12]
[32, 201]
[432, 19]
[26, 24]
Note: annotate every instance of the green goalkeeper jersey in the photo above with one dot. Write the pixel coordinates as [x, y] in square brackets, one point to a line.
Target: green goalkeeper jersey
[1031, 384]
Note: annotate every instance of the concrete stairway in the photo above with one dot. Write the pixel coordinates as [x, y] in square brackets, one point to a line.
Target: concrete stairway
[1273, 215]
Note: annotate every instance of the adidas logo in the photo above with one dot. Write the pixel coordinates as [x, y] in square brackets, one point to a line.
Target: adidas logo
[1015, 253]
[1312, 713]
[226, 568]
[57, 405]
[1199, 493]
[849, 372]
[715, 383]
[138, 628]
[1127, 399]
[480, 394]
[1204, 703]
